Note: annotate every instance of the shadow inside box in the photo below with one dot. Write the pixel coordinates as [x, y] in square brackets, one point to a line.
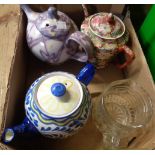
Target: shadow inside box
[37, 68]
[86, 138]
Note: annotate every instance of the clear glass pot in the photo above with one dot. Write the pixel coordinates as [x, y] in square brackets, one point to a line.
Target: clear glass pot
[121, 111]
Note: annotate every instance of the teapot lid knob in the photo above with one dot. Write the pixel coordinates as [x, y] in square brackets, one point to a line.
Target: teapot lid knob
[58, 89]
[110, 15]
[111, 19]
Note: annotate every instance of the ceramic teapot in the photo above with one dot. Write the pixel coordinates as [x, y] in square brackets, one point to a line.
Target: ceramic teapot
[109, 36]
[53, 37]
[56, 104]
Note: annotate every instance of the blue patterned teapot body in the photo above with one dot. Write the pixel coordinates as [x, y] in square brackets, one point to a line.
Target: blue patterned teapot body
[53, 37]
[57, 105]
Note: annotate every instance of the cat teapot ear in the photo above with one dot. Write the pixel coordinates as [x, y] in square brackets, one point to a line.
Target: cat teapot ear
[52, 12]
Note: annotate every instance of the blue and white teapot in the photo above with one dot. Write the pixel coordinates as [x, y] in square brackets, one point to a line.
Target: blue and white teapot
[57, 105]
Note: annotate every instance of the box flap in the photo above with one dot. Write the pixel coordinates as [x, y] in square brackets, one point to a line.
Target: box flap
[9, 18]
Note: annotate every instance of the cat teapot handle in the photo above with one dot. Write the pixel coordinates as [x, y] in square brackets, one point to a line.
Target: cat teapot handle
[82, 40]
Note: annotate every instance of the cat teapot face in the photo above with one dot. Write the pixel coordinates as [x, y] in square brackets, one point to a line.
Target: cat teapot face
[56, 104]
[51, 25]
[53, 37]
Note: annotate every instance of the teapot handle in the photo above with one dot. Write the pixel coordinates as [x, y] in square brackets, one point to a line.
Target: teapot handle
[85, 10]
[129, 55]
[111, 141]
[86, 74]
[79, 38]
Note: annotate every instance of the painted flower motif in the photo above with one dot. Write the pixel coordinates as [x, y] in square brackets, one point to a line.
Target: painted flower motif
[104, 29]
[99, 20]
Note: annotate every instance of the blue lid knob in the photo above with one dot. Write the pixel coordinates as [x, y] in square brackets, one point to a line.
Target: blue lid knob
[58, 89]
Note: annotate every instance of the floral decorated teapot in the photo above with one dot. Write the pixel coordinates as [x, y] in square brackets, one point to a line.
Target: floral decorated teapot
[109, 36]
[53, 37]
[57, 105]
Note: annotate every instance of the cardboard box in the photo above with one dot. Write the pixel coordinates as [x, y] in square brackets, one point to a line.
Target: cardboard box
[19, 68]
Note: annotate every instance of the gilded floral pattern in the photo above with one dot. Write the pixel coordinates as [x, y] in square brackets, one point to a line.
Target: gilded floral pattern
[106, 49]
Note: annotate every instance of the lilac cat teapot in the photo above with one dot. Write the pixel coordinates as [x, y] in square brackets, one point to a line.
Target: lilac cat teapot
[54, 38]
[57, 105]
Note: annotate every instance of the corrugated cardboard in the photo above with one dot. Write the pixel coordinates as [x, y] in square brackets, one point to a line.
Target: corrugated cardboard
[9, 18]
[20, 68]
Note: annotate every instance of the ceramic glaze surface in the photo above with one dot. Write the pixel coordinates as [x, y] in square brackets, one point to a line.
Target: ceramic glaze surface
[51, 49]
[57, 127]
[106, 25]
[101, 43]
[108, 33]
[56, 105]
[53, 37]
[59, 105]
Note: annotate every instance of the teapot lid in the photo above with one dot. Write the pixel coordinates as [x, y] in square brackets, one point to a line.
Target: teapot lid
[106, 25]
[59, 94]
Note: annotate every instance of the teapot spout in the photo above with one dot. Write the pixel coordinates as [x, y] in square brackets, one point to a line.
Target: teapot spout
[31, 15]
[25, 127]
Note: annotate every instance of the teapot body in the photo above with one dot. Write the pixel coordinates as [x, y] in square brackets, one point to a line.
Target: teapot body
[50, 49]
[53, 37]
[109, 35]
[106, 48]
[103, 43]
[56, 127]
[57, 105]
